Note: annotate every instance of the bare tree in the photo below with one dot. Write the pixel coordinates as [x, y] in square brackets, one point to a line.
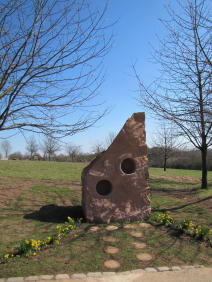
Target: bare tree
[98, 148]
[51, 55]
[73, 151]
[109, 139]
[32, 146]
[50, 146]
[167, 143]
[183, 94]
[6, 147]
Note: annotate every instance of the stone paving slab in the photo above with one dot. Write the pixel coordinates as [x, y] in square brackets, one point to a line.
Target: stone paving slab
[32, 278]
[15, 279]
[111, 228]
[196, 273]
[163, 268]
[111, 250]
[136, 234]
[62, 276]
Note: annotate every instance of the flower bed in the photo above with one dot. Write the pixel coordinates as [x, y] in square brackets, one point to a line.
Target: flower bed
[186, 226]
[32, 247]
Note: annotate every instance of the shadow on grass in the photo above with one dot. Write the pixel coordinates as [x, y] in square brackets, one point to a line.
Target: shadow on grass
[57, 214]
[182, 206]
[172, 186]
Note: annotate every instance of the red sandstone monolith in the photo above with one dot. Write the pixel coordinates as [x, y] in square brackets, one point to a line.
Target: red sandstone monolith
[115, 184]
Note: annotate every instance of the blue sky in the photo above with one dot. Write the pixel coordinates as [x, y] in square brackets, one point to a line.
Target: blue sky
[136, 28]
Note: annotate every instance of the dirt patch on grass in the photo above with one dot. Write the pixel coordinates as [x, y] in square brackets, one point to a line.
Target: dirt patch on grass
[11, 188]
[187, 179]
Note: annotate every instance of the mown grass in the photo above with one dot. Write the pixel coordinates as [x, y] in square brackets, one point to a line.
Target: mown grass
[178, 172]
[40, 207]
[39, 170]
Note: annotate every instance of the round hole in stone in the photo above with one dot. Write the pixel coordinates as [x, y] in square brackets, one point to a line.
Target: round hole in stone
[104, 187]
[128, 166]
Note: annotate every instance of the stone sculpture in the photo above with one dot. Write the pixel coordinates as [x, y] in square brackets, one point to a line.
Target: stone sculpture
[115, 184]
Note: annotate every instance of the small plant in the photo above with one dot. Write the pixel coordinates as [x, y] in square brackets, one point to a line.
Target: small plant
[165, 219]
[32, 247]
[186, 226]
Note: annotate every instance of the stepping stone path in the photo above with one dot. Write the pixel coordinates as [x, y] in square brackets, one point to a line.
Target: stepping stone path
[136, 234]
[109, 239]
[111, 227]
[129, 226]
[94, 228]
[111, 250]
[111, 264]
[139, 245]
[144, 257]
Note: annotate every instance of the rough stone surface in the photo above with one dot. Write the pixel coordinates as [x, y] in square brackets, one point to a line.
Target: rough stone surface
[108, 273]
[137, 271]
[144, 257]
[111, 250]
[198, 266]
[111, 264]
[109, 239]
[46, 277]
[150, 269]
[139, 245]
[15, 279]
[32, 278]
[62, 276]
[2, 280]
[175, 268]
[94, 274]
[78, 276]
[111, 228]
[115, 183]
[188, 266]
[136, 234]
[124, 273]
[163, 268]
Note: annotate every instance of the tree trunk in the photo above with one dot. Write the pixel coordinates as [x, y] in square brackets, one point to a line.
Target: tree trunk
[164, 165]
[204, 168]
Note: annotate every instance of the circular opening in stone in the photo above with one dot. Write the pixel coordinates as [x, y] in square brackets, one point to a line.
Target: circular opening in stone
[104, 187]
[128, 166]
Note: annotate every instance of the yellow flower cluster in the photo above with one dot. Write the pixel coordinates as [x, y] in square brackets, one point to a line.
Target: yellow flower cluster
[186, 226]
[165, 219]
[32, 246]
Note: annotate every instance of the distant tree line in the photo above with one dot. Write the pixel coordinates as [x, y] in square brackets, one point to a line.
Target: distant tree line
[49, 149]
[81, 157]
[179, 159]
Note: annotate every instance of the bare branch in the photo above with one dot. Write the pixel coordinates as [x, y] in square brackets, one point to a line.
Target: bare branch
[51, 56]
[183, 93]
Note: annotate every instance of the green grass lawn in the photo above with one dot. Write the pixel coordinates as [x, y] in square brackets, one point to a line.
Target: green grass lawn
[178, 172]
[39, 170]
[37, 196]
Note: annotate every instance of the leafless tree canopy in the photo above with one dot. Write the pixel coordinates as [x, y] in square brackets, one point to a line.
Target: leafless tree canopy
[50, 64]
[183, 94]
[6, 147]
[98, 148]
[110, 138]
[49, 147]
[32, 146]
[73, 151]
[167, 142]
